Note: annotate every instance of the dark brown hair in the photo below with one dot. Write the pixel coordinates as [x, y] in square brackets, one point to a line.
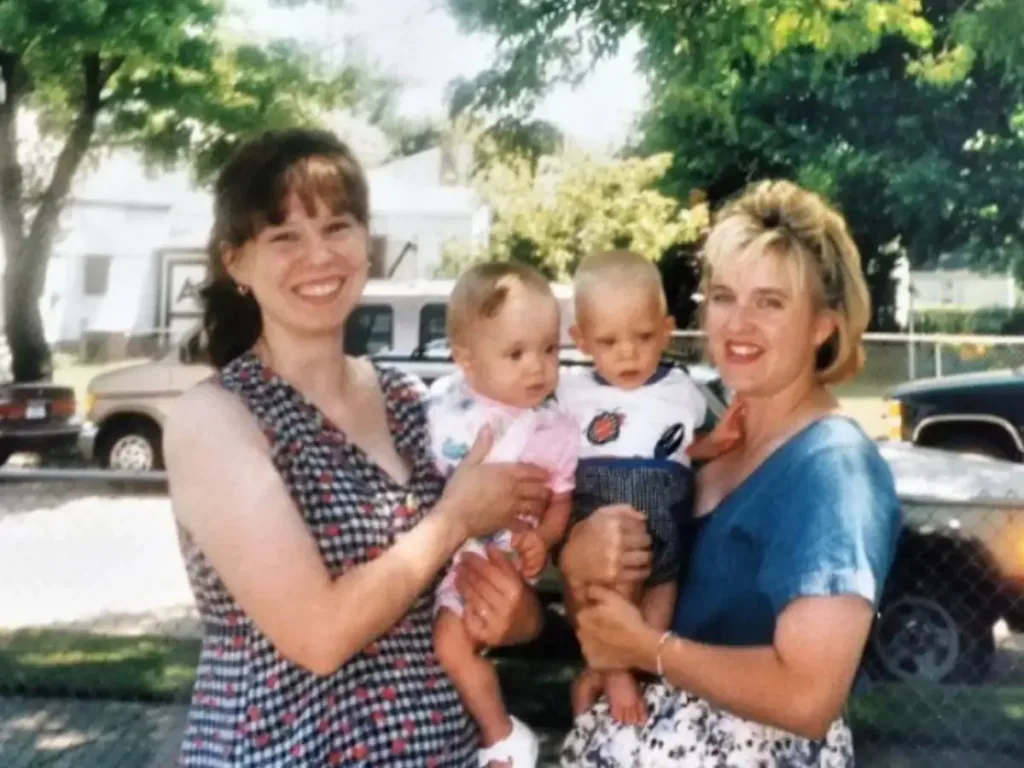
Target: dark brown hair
[252, 193]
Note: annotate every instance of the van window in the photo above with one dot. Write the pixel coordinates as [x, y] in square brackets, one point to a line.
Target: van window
[369, 329]
[433, 323]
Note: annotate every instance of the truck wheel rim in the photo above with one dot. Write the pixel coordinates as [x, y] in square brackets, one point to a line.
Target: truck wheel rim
[917, 639]
[131, 452]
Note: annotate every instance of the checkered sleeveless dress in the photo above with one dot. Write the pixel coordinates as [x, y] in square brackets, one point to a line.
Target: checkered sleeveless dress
[391, 704]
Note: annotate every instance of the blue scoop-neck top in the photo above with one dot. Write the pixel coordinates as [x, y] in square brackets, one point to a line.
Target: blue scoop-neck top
[820, 516]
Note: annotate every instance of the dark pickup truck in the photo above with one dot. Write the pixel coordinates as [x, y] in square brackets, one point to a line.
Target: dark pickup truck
[979, 413]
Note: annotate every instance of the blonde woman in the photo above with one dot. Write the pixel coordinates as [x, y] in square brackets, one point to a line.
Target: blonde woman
[794, 531]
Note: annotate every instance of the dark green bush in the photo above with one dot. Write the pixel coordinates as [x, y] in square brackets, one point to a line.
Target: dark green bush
[990, 321]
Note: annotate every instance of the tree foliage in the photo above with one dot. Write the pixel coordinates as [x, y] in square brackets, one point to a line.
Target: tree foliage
[707, 44]
[906, 114]
[552, 212]
[157, 75]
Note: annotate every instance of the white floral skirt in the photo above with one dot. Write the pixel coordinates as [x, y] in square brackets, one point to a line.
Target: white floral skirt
[683, 731]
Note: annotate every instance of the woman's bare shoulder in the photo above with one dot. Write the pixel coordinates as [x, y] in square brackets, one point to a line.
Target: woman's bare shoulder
[205, 415]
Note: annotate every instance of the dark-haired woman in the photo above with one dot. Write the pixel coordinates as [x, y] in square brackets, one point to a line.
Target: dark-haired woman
[313, 524]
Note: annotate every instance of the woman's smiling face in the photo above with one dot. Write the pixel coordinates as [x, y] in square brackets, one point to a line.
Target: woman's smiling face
[763, 325]
[306, 272]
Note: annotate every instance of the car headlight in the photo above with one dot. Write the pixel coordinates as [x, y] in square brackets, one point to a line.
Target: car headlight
[894, 419]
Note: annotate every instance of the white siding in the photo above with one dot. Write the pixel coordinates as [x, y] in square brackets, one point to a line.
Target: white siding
[963, 289]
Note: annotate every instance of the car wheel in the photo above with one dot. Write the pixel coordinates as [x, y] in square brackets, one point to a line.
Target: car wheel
[976, 446]
[919, 638]
[133, 448]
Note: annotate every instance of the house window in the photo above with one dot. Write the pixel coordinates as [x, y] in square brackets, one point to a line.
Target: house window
[433, 323]
[97, 275]
[369, 329]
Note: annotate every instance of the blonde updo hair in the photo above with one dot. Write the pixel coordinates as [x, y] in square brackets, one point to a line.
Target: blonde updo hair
[811, 239]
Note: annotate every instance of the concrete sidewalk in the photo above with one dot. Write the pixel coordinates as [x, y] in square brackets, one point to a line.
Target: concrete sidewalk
[65, 733]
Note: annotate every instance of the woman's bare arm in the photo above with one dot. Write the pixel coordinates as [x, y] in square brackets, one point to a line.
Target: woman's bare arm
[228, 495]
[799, 684]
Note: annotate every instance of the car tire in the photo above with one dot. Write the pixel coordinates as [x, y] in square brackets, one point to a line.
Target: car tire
[5, 454]
[922, 637]
[975, 446]
[132, 447]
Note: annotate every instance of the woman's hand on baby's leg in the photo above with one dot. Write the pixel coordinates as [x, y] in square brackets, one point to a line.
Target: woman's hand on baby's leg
[532, 551]
[500, 608]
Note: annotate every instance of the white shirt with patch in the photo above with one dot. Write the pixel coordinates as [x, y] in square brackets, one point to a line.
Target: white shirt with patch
[655, 421]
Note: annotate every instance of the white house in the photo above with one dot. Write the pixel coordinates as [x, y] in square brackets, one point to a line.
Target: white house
[132, 244]
[964, 289]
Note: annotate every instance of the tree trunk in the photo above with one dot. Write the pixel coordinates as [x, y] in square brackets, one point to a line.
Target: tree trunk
[28, 253]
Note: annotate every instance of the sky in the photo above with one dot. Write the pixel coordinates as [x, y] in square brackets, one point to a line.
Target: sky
[418, 42]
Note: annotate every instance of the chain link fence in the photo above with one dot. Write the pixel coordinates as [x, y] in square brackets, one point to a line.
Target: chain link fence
[893, 358]
[99, 636]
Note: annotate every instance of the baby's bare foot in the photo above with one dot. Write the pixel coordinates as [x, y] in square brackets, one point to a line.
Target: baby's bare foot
[625, 699]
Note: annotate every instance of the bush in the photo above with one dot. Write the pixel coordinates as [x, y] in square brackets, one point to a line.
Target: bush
[990, 321]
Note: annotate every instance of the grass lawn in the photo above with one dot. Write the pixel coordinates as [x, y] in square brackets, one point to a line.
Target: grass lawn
[536, 686]
[79, 664]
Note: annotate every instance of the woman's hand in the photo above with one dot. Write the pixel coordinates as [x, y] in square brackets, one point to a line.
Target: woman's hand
[610, 546]
[727, 435]
[613, 634]
[500, 610]
[483, 498]
[586, 690]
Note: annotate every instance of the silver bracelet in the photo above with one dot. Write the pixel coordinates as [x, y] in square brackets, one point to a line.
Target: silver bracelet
[661, 646]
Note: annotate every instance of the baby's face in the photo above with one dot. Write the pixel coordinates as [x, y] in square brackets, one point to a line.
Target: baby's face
[513, 357]
[625, 331]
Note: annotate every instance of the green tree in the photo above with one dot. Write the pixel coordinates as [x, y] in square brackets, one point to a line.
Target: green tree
[157, 75]
[922, 151]
[713, 42]
[552, 211]
[896, 111]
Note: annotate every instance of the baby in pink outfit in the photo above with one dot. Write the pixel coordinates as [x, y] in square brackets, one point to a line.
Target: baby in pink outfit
[503, 323]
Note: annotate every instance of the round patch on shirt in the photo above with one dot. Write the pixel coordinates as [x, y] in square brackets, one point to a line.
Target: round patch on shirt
[605, 427]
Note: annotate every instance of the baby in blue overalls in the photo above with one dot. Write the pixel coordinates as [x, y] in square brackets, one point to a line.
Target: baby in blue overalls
[637, 420]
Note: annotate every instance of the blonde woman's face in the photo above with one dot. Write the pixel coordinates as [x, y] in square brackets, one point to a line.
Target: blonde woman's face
[762, 326]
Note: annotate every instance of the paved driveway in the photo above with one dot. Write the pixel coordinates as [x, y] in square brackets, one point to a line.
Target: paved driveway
[88, 557]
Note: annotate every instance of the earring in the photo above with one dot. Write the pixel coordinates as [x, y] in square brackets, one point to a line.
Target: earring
[243, 290]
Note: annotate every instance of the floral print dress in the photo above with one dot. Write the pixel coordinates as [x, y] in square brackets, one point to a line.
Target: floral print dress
[684, 731]
[391, 704]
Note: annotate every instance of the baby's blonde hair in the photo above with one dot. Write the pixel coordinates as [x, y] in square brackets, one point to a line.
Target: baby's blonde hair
[810, 238]
[615, 269]
[481, 292]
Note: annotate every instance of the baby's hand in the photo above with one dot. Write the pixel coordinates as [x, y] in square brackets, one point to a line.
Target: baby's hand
[533, 553]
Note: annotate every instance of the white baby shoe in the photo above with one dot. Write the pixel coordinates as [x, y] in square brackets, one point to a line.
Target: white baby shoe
[519, 749]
